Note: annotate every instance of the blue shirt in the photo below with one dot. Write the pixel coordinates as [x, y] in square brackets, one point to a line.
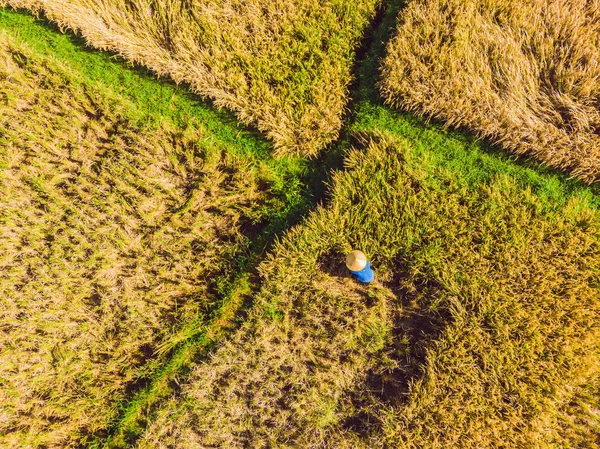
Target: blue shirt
[365, 275]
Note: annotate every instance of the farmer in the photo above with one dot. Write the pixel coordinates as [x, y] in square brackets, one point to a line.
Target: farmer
[360, 267]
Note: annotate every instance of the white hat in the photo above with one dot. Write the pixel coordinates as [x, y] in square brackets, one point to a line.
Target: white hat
[356, 261]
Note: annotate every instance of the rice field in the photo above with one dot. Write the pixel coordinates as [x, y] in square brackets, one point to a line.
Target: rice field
[122, 230]
[172, 279]
[522, 74]
[282, 66]
[462, 237]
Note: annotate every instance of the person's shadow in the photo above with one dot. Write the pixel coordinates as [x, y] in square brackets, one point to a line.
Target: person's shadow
[334, 264]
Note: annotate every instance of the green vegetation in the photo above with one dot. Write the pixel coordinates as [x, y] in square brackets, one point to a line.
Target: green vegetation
[481, 330]
[282, 65]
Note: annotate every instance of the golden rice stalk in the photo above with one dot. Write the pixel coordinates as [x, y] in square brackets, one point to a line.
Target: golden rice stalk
[524, 74]
[281, 65]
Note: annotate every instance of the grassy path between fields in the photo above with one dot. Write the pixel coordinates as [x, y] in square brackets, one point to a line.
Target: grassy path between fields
[301, 185]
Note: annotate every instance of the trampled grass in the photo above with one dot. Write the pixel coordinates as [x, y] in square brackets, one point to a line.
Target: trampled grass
[523, 74]
[127, 210]
[281, 65]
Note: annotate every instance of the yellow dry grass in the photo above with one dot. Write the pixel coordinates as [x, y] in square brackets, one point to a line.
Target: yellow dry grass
[524, 74]
[578, 423]
[281, 65]
[483, 321]
[113, 233]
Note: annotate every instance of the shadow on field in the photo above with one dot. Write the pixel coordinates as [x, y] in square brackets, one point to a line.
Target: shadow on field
[333, 264]
[414, 325]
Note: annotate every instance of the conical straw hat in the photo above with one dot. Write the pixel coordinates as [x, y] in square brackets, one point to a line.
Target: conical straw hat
[356, 261]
